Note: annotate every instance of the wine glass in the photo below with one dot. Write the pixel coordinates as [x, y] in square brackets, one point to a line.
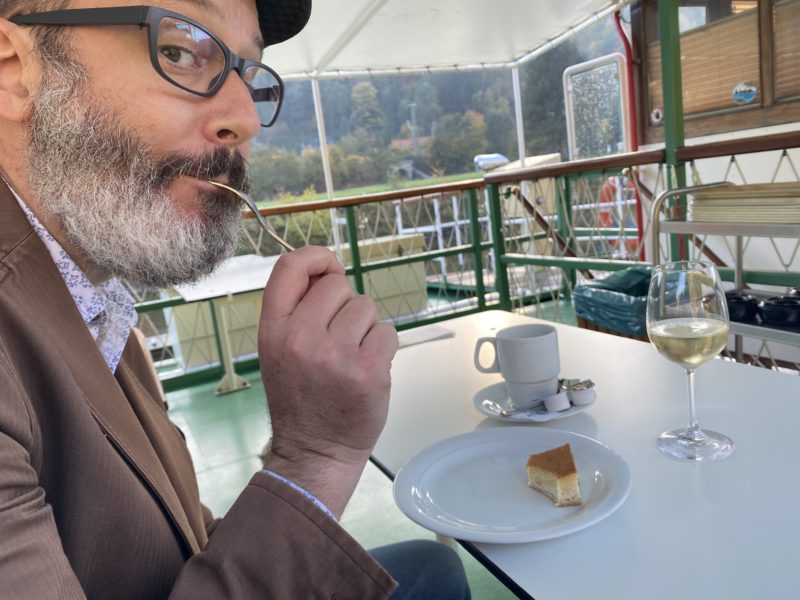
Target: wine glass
[687, 321]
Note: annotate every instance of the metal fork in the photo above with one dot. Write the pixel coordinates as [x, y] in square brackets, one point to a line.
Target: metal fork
[261, 221]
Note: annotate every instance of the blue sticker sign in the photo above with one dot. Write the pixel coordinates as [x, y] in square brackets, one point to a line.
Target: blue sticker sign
[744, 93]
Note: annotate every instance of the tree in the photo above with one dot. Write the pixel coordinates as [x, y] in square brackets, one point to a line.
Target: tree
[393, 94]
[336, 104]
[274, 172]
[367, 113]
[500, 121]
[543, 108]
[313, 174]
[296, 126]
[426, 106]
[543, 93]
[458, 139]
[456, 90]
[598, 39]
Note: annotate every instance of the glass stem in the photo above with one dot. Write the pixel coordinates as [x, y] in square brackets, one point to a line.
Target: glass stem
[693, 431]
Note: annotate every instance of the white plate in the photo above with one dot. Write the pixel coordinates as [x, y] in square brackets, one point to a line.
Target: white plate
[497, 393]
[475, 487]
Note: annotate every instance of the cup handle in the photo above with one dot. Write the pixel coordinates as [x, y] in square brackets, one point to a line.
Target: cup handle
[494, 367]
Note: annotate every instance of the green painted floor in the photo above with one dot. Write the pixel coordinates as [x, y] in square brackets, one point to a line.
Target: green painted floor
[225, 435]
[559, 311]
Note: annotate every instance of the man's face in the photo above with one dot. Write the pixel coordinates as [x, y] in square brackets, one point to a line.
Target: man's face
[121, 157]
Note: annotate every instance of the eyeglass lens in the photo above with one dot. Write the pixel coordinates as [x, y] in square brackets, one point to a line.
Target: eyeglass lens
[191, 57]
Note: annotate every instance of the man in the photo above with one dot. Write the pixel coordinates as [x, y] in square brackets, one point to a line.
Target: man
[112, 122]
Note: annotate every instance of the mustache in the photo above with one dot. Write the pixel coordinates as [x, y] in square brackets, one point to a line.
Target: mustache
[214, 165]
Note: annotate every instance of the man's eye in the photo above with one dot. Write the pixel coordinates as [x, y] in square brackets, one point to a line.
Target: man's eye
[179, 57]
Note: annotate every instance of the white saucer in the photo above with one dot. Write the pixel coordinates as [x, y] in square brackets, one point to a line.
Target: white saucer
[498, 399]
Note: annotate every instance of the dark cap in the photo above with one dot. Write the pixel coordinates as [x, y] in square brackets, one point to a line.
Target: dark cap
[281, 19]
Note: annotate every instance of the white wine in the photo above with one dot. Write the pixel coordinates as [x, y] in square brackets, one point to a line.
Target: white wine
[689, 341]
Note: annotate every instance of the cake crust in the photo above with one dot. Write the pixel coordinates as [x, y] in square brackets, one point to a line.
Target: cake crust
[558, 461]
[553, 473]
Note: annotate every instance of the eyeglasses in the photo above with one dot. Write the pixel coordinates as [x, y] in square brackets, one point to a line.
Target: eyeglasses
[181, 50]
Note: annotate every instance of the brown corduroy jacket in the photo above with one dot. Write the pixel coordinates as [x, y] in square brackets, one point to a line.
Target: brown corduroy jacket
[98, 497]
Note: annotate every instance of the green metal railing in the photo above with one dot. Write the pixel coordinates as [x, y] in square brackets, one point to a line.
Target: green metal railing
[512, 251]
[479, 246]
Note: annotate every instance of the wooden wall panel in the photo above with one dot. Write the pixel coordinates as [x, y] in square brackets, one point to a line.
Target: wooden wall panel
[714, 59]
[787, 49]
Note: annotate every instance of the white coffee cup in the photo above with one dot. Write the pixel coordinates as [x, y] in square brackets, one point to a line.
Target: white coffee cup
[527, 358]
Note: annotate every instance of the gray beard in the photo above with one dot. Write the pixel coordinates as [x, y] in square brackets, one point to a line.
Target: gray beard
[109, 195]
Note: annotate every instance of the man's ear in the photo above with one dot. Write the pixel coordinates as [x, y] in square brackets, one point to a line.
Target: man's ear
[17, 66]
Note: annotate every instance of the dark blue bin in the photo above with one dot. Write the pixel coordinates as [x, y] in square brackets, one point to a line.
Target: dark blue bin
[616, 304]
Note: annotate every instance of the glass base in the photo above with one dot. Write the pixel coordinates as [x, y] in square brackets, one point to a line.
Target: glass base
[694, 444]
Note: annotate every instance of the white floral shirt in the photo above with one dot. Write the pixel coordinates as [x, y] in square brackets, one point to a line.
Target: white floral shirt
[107, 308]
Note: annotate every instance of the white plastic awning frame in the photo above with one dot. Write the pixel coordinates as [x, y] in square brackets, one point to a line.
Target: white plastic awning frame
[324, 68]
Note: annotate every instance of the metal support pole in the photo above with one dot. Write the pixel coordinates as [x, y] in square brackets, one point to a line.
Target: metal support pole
[672, 87]
[518, 116]
[326, 163]
[231, 382]
[499, 247]
[475, 235]
[564, 213]
[437, 216]
[738, 340]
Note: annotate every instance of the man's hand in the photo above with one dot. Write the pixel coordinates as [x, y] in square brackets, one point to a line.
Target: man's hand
[325, 361]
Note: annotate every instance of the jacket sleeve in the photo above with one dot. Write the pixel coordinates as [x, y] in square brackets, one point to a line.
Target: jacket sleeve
[274, 543]
[32, 560]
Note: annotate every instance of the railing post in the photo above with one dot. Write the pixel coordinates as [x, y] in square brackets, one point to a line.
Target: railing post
[499, 247]
[475, 234]
[217, 336]
[564, 213]
[672, 87]
[355, 256]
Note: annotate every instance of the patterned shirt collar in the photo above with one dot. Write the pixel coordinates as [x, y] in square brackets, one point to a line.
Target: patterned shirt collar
[107, 309]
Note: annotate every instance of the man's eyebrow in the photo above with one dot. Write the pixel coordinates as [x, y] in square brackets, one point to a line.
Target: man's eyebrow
[216, 11]
[258, 42]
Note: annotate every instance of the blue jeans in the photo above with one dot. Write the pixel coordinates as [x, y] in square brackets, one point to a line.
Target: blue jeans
[425, 570]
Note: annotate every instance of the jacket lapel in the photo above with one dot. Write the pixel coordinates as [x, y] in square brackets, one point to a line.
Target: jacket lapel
[45, 300]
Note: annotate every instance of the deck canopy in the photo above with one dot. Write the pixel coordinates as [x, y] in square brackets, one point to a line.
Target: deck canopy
[357, 37]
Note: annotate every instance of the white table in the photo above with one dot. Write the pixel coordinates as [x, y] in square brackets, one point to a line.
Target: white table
[236, 275]
[723, 530]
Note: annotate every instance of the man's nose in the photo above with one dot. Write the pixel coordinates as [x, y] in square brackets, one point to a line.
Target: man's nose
[235, 119]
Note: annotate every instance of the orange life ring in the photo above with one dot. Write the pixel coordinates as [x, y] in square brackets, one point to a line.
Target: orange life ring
[605, 218]
[608, 193]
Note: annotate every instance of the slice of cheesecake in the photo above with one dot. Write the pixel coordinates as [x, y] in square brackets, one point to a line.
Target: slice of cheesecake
[553, 473]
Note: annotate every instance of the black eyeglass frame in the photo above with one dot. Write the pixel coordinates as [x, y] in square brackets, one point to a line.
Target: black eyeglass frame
[149, 17]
